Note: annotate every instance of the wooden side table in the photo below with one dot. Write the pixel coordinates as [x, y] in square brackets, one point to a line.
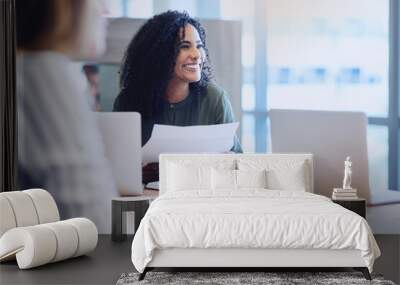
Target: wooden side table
[137, 204]
[357, 205]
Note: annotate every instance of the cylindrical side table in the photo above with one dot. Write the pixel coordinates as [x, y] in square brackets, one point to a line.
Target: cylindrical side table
[137, 204]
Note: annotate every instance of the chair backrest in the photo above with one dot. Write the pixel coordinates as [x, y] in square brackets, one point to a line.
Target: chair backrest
[331, 136]
[238, 161]
[26, 208]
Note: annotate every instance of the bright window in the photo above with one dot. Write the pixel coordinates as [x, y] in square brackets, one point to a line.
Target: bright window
[324, 57]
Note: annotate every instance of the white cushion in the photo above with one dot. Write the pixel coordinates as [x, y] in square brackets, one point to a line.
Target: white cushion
[45, 205]
[281, 168]
[292, 178]
[223, 179]
[87, 233]
[23, 208]
[7, 218]
[183, 178]
[186, 175]
[237, 179]
[282, 174]
[67, 239]
[251, 178]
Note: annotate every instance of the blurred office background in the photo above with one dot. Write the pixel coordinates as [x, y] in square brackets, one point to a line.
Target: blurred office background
[304, 54]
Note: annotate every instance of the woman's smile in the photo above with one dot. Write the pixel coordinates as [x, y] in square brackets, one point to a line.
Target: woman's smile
[192, 67]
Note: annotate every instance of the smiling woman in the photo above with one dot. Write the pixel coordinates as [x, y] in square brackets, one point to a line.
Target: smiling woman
[166, 76]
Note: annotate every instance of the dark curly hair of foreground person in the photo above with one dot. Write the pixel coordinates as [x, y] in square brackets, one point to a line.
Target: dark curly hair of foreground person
[149, 62]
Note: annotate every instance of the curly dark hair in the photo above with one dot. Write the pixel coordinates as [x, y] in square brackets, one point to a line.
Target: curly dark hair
[149, 62]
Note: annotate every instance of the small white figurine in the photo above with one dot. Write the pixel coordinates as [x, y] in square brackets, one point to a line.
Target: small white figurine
[347, 174]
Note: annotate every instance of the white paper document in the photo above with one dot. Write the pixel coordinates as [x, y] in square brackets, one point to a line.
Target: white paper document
[192, 139]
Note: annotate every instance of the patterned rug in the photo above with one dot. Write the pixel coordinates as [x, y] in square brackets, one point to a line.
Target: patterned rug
[269, 278]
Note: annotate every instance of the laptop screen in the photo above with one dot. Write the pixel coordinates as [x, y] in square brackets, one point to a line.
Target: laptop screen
[121, 134]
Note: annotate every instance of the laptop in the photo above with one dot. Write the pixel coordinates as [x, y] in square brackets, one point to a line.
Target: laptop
[330, 136]
[121, 134]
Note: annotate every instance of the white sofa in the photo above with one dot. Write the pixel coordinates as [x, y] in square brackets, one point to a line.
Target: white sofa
[31, 231]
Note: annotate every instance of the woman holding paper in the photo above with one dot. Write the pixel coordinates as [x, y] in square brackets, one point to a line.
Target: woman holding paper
[165, 76]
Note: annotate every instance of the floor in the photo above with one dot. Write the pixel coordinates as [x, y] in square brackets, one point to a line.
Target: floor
[110, 260]
[384, 214]
[384, 219]
[389, 262]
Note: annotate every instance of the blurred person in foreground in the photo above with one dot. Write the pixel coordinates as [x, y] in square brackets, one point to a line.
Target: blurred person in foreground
[60, 148]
